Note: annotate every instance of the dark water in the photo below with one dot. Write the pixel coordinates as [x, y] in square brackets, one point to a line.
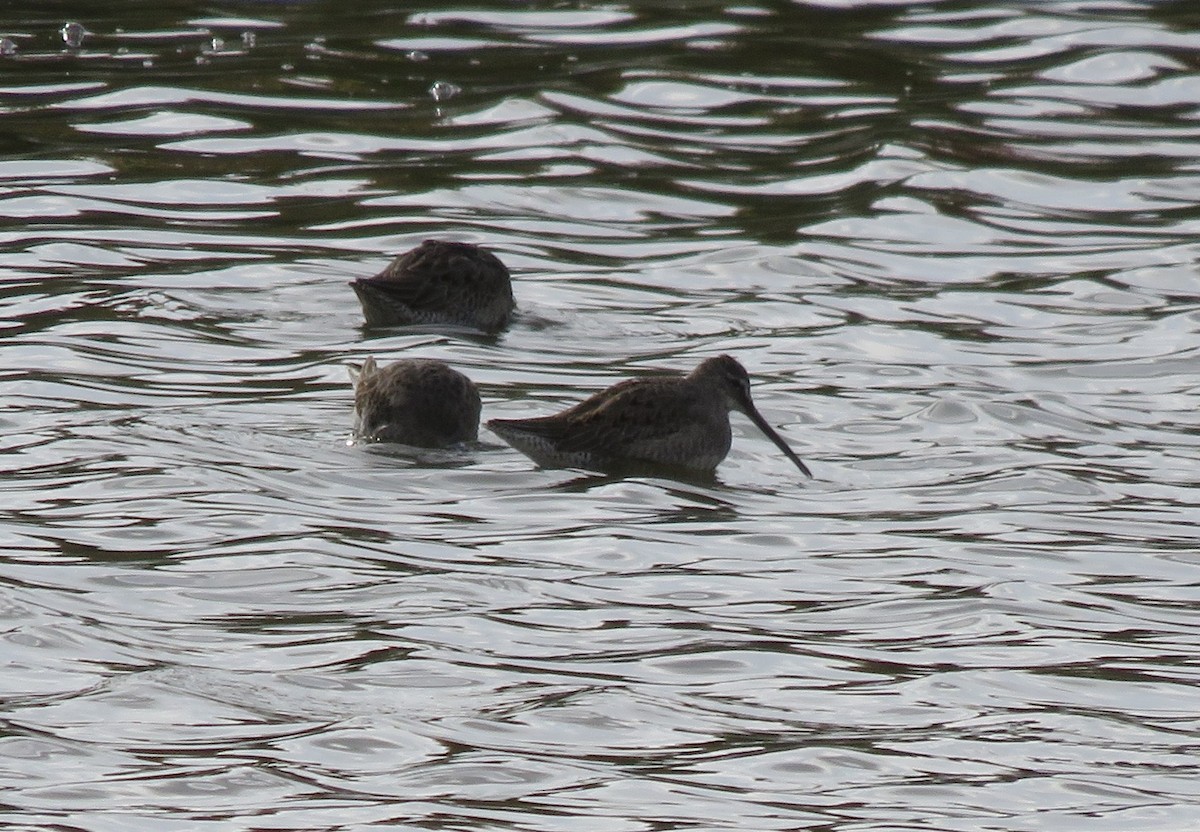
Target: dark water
[954, 243]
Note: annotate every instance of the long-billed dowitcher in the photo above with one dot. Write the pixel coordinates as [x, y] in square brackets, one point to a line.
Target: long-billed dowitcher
[439, 282]
[415, 401]
[675, 421]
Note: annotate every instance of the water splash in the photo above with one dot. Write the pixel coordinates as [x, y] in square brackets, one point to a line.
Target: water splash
[443, 90]
[73, 34]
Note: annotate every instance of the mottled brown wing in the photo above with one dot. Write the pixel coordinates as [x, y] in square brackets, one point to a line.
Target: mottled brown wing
[439, 275]
[628, 414]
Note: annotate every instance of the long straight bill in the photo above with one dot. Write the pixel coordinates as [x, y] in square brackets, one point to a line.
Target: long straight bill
[762, 425]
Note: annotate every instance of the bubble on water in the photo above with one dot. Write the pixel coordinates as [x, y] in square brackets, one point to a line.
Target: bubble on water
[249, 39]
[441, 90]
[416, 55]
[73, 34]
[7, 47]
[147, 63]
[216, 45]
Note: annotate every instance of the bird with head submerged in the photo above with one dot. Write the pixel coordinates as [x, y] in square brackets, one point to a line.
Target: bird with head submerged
[680, 422]
[439, 282]
[415, 401]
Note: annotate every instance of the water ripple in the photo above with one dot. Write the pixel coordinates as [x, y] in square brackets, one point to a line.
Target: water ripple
[954, 247]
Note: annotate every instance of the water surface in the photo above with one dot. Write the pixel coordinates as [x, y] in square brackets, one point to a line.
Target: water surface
[954, 243]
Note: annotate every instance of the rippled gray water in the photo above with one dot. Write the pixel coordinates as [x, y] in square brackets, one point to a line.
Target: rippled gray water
[954, 243]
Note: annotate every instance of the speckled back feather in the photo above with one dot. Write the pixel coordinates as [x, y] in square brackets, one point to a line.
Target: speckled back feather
[418, 402]
[439, 282]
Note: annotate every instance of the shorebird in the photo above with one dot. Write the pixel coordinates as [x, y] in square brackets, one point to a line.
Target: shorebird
[439, 282]
[415, 401]
[680, 422]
